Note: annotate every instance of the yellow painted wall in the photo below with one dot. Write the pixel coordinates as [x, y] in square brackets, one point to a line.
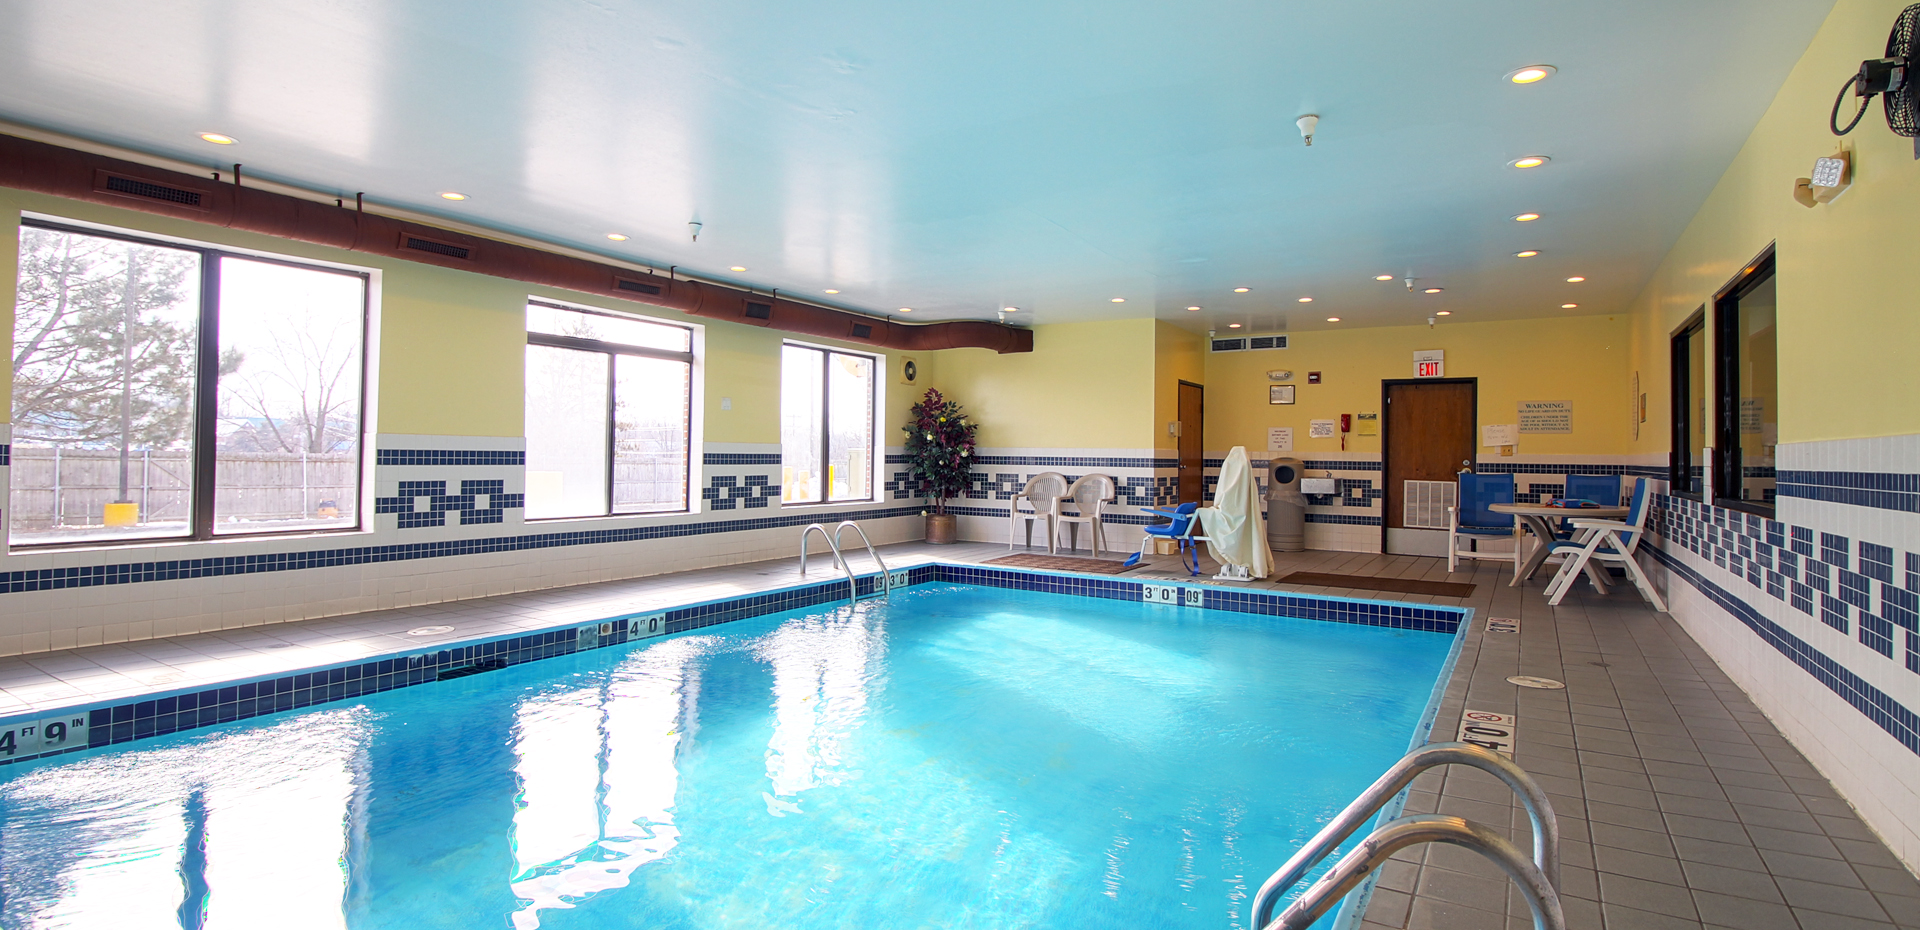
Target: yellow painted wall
[1178, 355]
[1580, 359]
[451, 343]
[1084, 386]
[1848, 320]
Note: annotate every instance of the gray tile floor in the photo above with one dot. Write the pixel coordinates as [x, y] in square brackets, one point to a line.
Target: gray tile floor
[1680, 805]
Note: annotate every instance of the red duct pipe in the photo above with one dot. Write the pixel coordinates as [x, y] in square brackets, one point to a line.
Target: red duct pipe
[77, 175]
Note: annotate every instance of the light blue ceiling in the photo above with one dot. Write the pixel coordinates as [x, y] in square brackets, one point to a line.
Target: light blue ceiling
[956, 158]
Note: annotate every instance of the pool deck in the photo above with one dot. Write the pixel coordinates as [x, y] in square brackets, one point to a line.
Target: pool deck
[1680, 804]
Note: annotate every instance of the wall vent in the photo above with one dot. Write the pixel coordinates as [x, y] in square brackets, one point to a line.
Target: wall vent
[638, 287]
[862, 331]
[148, 190]
[1249, 343]
[759, 311]
[448, 249]
[1425, 504]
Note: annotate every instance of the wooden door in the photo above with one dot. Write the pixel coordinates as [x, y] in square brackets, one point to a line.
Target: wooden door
[1428, 436]
[1192, 441]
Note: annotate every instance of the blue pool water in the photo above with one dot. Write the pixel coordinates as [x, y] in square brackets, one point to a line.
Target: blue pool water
[959, 757]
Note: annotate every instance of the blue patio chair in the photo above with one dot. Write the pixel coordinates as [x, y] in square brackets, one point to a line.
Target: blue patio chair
[1180, 530]
[1469, 521]
[1601, 489]
[1609, 543]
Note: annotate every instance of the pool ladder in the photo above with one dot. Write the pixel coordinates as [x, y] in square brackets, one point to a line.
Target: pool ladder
[1539, 879]
[833, 543]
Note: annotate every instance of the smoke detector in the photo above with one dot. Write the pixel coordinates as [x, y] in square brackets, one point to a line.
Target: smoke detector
[1306, 124]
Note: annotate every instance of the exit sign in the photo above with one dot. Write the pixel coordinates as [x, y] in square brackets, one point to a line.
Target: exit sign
[1430, 364]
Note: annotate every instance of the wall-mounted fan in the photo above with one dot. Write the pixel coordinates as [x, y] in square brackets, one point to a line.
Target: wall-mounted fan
[1893, 78]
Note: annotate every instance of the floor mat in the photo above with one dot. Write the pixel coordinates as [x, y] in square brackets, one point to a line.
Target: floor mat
[1374, 583]
[1060, 563]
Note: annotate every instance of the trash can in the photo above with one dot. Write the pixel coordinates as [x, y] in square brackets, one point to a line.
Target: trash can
[1286, 509]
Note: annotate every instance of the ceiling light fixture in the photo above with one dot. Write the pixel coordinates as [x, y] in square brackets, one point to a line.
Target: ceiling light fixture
[1526, 253]
[1529, 161]
[1117, 300]
[616, 237]
[737, 268]
[1383, 277]
[1576, 279]
[1009, 309]
[217, 138]
[1306, 300]
[1526, 217]
[1233, 326]
[1532, 74]
[1333, 319]
[1435, 290]
[1193, 308]
[1568, 306]
[909, 309]
[1241, 290]
[833, 290]
[1443, 313]
[452, 195]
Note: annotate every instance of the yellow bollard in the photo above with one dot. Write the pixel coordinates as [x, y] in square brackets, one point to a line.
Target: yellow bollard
[122, 513]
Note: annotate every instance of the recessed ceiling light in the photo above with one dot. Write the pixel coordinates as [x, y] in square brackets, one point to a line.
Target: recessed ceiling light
[1383, 277]
[1529, 161]
[452, 195]
[217, 138]
[1118, 300]
[1526, 253]
[906, 309]
[1435, 290]
[832, 290]
[1532, 74]
[1526, 217]
[1241, 290]
[1193, 308]
[1306, 300]
[1576, 279]
[1333, 319]
[1443, 313]
[1568, 306]
[1010, 309]
[737, 268]
[616, 237]
[1233, 326]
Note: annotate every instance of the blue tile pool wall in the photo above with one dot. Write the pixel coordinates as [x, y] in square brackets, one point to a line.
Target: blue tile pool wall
[173, 712]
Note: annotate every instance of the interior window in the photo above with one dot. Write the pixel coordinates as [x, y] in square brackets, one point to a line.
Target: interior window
[128, 423]
[1687, 474]
[1747, 427]
[826, 425]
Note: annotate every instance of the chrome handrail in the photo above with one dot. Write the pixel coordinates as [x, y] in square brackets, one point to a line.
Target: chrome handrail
[886, 580]
[1542, 897]
[1546, 829]
[853, 589]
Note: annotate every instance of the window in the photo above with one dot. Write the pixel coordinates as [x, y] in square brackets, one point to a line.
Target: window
[166, 391]
[1746, 425]
[826, 425]
[1687, 474]
[609, 413]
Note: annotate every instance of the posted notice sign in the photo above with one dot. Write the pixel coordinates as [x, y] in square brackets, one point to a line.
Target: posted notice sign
[1546, 416]
[1280, 439]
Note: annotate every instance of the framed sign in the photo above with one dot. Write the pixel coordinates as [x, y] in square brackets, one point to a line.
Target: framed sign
[1279, 393]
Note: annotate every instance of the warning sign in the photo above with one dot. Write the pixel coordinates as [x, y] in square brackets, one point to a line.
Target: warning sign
[1546, 416]
[1488, 730]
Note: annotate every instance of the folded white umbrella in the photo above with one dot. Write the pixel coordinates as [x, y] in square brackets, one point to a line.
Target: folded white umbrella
[1235, 527]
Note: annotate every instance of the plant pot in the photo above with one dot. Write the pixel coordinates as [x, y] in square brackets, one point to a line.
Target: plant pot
[942, 529]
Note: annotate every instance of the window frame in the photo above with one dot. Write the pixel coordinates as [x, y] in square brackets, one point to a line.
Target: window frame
[1727, 470]
[206, 389]
[826, 425]
[1680, 463]
[613, 350]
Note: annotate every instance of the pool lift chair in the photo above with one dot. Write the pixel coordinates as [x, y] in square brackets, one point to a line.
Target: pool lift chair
[1538, 879]
[885, 581]
[1180, 531]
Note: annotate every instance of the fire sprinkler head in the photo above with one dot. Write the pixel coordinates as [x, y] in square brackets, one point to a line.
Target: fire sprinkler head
[694, 227]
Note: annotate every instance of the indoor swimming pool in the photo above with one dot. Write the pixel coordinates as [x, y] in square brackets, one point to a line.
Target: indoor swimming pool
[954, 756]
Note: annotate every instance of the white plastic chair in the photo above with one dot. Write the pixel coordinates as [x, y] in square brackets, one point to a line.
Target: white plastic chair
[1044, 493]
[1607, 542]
[1090, 495]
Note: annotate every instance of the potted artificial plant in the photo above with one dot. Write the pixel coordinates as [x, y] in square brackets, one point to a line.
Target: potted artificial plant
[939, 459]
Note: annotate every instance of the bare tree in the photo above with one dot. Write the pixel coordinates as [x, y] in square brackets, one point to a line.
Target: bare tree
[299, 393]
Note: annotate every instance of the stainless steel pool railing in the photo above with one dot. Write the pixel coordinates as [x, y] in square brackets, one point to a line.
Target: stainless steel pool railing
[840, 559]
[1543, 894]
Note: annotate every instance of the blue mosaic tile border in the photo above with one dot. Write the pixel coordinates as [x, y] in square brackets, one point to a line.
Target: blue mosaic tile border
[741, 458]
[1064, 461]
[1117, 519]
[173, 712]
[449, 457]
[1345, 519]
[6, 455]
[1890, 715]
[139, 572]
[1878, 490]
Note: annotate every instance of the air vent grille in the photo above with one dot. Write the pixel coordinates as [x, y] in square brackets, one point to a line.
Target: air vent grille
[448, 249]
[759, 311]
[638, 287]
[1426, 504]
[1250, 343]
[862, 331]
[134, 187]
